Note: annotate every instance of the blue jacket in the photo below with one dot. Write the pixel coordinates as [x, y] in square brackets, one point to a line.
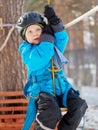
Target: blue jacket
[37, 59]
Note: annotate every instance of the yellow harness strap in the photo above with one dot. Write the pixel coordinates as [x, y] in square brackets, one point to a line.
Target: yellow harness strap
[53, 70]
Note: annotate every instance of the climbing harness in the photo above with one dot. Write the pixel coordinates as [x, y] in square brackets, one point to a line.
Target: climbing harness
[53, 70]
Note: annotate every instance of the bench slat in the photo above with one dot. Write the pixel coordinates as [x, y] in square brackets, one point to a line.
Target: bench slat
[13, 126]
[12, 116]
[13, 108]
[13, 101]
[11, 93]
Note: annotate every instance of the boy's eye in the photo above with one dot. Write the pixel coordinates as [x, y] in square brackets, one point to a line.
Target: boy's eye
[30, 32]
[38, 29]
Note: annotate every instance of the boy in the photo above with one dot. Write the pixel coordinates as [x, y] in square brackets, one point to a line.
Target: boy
[47, 87]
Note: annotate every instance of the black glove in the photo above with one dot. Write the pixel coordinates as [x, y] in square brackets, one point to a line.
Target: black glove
[50, 14]
[48, 30]
[47, 34]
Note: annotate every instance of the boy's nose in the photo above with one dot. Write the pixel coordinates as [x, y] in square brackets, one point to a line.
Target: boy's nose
[35, 34]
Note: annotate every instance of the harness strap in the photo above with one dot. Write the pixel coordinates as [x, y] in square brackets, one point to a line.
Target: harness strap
[53, 70]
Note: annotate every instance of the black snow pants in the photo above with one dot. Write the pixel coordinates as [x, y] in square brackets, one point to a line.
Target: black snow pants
[50, 114]
[76, 110]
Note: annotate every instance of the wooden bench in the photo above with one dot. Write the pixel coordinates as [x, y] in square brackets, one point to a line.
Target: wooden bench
[13, 108]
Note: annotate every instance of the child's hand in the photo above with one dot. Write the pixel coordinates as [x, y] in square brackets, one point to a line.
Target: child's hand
[50, 14]
[54, 21]
[48, 30]
[47, 34]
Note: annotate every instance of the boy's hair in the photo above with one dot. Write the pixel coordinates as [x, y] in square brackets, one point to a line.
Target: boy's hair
[28, 19]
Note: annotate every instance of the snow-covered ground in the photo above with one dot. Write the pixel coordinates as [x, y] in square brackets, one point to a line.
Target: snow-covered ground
[91, 116]
[90, 94]
[90, 119]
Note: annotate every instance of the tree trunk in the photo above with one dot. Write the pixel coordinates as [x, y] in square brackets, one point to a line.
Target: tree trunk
[12, 71]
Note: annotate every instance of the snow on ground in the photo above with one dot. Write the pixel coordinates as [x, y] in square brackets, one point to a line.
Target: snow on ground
[90, 119]
[91, 115]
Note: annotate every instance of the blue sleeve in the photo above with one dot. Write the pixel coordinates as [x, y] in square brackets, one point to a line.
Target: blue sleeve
[61, 40]
[37, 56]
[30, 115]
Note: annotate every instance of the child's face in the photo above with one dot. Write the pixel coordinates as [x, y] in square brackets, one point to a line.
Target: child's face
[33, 34]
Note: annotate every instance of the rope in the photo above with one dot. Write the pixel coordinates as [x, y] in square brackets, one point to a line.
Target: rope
[49, 2]
[82, 17]
[7, 38]
[6, 25]
[83, 126]
[66, 26]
